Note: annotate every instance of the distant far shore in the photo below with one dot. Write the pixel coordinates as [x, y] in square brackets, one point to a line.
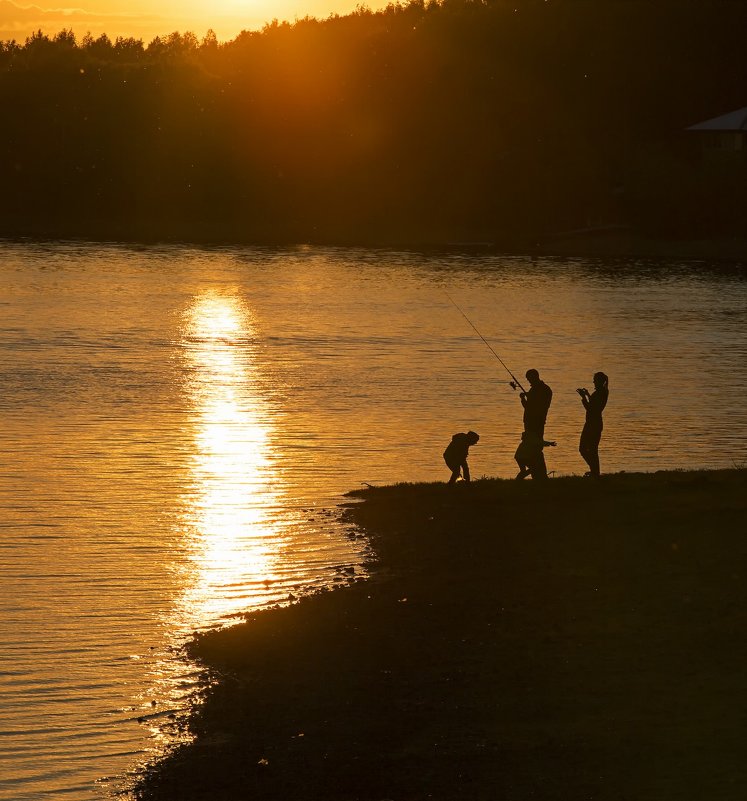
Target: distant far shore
[561, 640]
[610, 242]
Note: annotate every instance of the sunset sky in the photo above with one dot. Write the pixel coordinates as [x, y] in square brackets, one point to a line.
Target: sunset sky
[148, 18]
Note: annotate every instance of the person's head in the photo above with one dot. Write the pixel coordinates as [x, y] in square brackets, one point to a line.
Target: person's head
[600, 380]
[533, 377]
[472, 437]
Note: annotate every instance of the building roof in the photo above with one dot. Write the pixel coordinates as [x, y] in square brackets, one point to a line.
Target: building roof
[733, 121]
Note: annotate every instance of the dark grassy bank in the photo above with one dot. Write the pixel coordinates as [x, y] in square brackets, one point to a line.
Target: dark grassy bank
[573, 640]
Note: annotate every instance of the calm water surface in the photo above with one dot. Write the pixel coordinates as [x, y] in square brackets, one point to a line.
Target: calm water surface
[178, 426]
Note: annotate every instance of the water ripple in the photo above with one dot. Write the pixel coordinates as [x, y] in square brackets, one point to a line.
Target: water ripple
[179, 425]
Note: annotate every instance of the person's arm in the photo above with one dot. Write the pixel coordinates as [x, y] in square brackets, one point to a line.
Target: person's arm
[523, 399]
[584, 393]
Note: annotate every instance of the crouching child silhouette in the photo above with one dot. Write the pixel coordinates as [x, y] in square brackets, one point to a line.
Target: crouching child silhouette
[529, 456]
[456, 452]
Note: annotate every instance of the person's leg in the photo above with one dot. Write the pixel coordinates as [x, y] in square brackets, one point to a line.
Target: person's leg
[589, 450]
[538, 466]
[583, 449]
[520, 457]
[455, 471]
[593, 456]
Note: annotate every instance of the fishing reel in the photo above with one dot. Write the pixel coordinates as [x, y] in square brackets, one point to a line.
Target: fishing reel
[513, 385]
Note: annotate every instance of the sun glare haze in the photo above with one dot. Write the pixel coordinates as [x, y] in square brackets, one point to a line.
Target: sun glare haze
[146, 19]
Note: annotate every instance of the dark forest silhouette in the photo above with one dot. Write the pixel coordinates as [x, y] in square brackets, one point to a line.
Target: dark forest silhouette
[423, 122]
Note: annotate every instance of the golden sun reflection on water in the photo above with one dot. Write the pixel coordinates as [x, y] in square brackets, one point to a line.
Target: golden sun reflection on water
[232, 538]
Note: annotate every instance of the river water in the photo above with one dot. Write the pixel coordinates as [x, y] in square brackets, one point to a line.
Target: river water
[179, 424]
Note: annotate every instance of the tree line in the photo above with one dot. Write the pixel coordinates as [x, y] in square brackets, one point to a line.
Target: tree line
[425, 122]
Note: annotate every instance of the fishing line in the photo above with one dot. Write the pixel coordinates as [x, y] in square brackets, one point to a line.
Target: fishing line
[515, 382]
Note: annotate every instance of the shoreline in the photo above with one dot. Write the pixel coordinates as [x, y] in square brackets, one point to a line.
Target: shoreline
[569, 639]
[590, 244]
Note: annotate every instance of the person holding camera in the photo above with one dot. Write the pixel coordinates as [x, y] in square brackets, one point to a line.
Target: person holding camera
[591, 434]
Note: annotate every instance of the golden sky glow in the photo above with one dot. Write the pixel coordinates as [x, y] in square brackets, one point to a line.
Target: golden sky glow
[148, 18]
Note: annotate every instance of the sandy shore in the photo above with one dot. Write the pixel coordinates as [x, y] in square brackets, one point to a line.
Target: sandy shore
[572, 640]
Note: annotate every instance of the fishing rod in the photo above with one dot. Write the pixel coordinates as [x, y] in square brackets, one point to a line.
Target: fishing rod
[515, 382]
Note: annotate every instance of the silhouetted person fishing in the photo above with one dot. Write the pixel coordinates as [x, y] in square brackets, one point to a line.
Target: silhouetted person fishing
[591, 434]
[536, 403]
[456, 452]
